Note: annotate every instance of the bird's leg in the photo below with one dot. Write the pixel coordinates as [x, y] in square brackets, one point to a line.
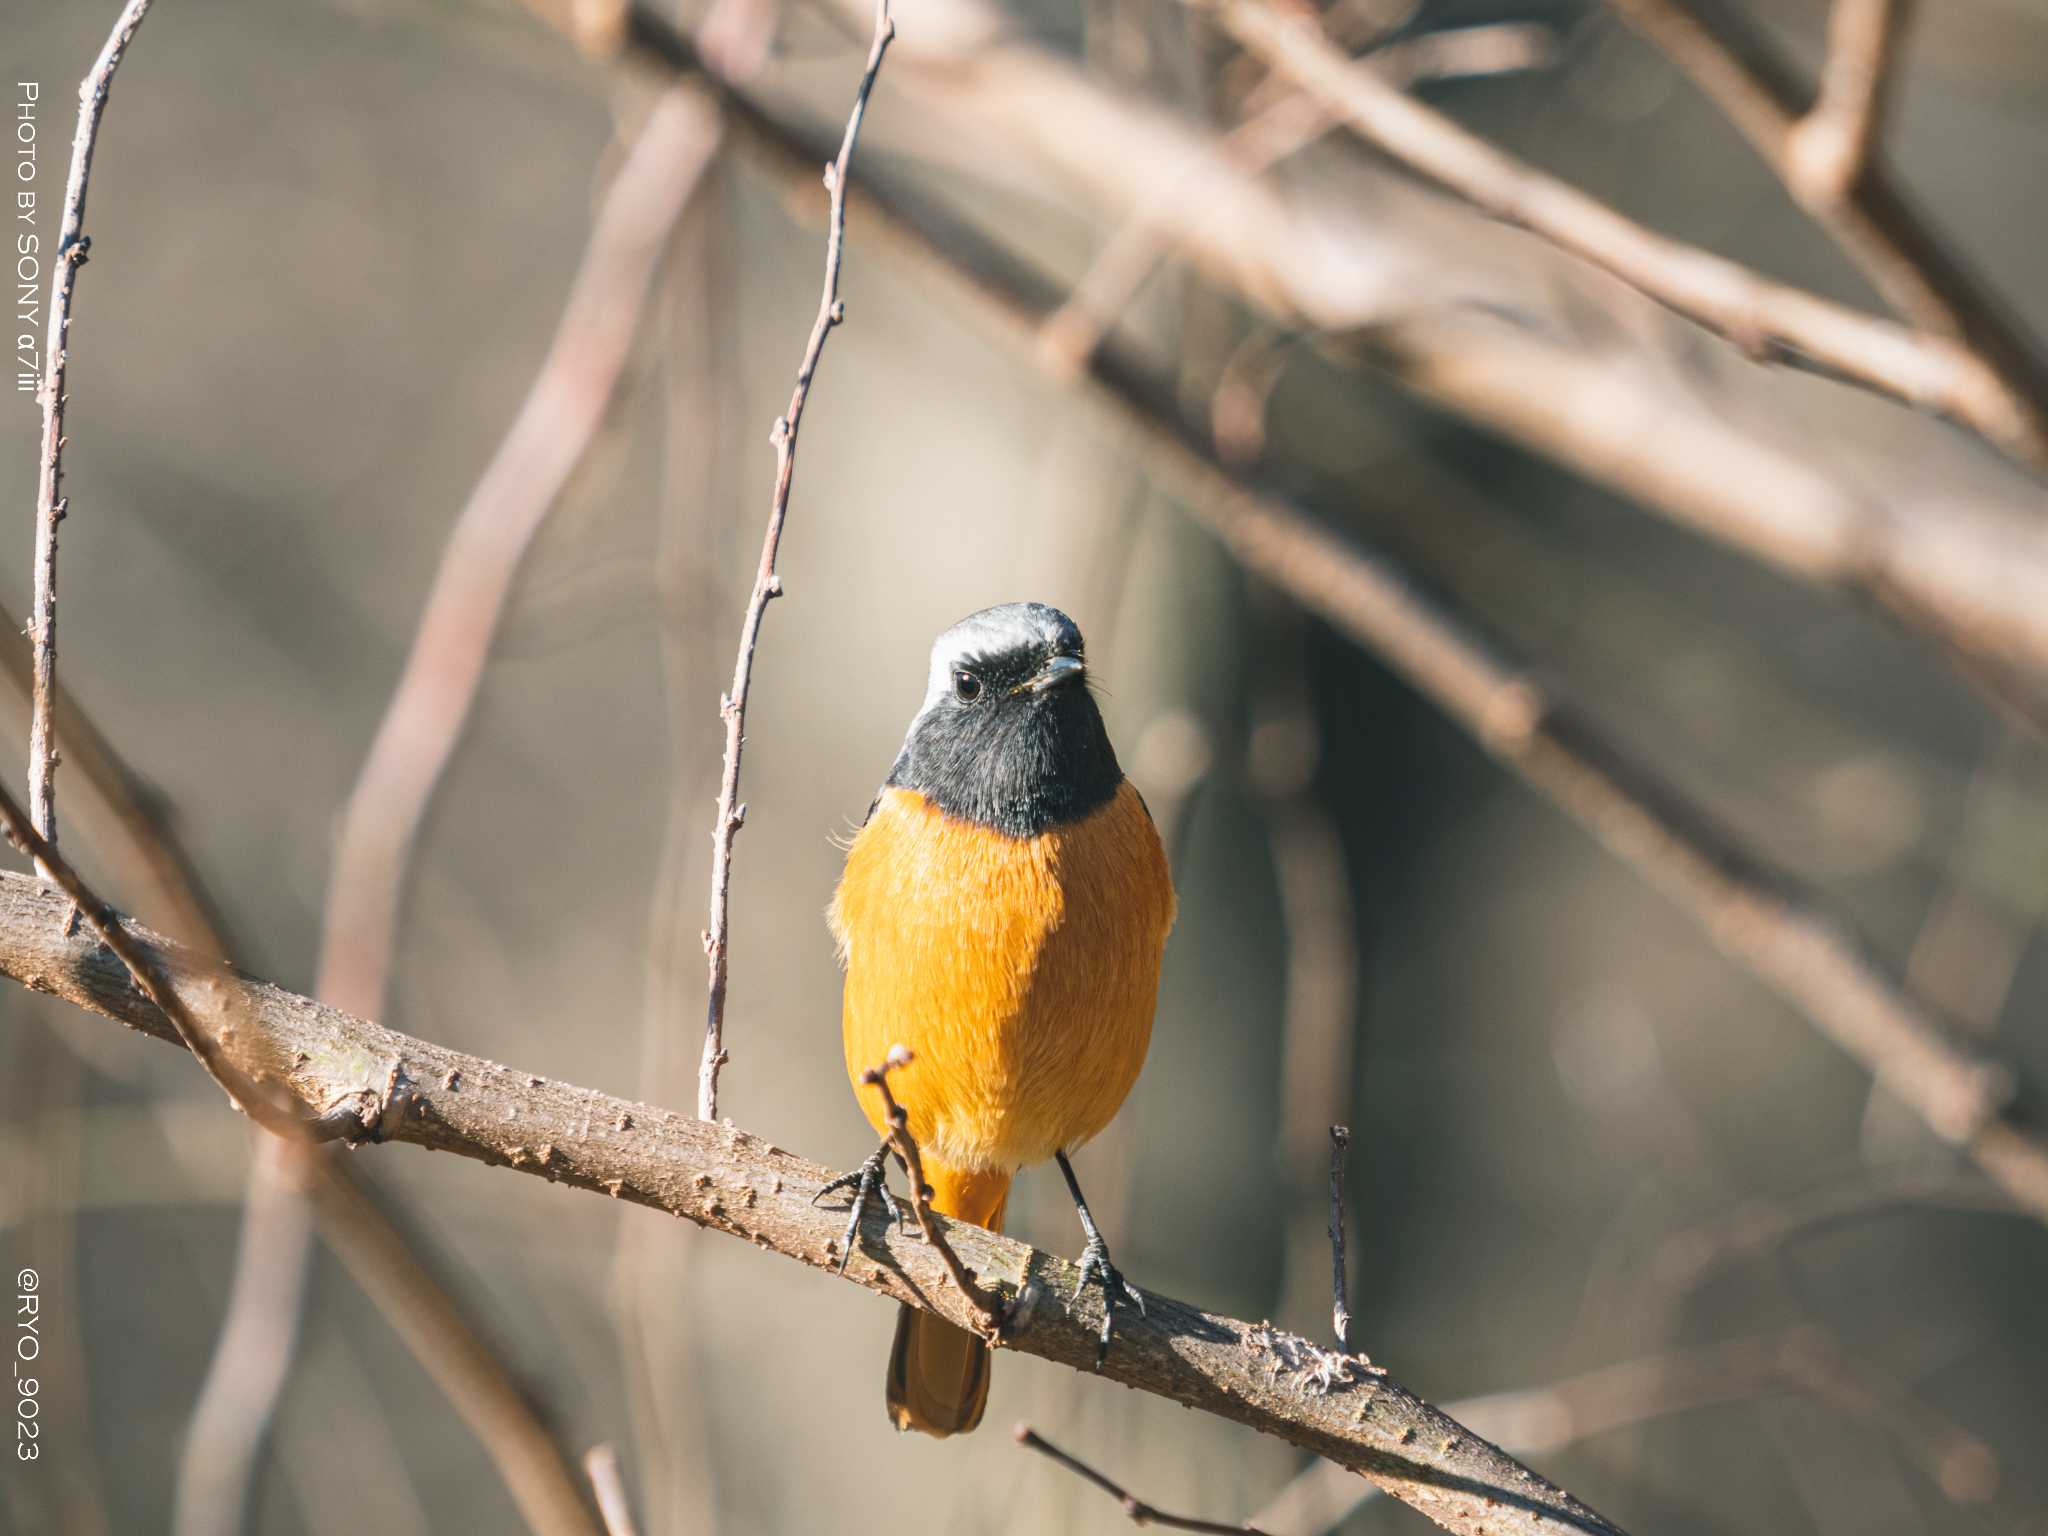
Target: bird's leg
[1095, 1265]
[869, 1180]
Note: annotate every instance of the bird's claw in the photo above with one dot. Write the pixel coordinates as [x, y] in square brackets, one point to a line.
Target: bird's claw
[1116, 1290]
[868, 1181]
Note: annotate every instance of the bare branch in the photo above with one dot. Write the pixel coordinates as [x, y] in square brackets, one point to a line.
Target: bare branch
[1831, 147]
[51, 506]
[1768, 320]
[1871, 219]
[988, 1315]
[1138, 1511]
[724, 1180]
[1755, 915]
[768, 585]
[561, 414]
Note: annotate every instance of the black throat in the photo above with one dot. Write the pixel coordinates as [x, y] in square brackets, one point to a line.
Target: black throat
[1020, 763]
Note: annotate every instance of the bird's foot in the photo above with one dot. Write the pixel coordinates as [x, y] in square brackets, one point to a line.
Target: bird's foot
[868, 1182]
[1116, 1292]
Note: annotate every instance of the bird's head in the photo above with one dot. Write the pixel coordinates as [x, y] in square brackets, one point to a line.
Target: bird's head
[1009, 735]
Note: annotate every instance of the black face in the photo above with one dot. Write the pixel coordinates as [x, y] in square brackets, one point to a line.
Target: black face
[1009, 735]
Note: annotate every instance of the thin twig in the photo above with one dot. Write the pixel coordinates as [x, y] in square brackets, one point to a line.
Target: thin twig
[608, 1482]
[1871, 218]
[1768, 320]
[1758, 917]
[1340, 1285]
[724, 1180]
[1139, 1512]
[560, 416]
[1831, 147]
[768, 585]
[988, 1313]
[72, 246]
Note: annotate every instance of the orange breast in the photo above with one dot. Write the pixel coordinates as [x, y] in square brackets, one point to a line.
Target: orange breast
[1022, 972]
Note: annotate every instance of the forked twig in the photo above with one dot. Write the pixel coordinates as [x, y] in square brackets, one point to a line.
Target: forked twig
[1137, 1509]
[920, 1193]
[768, 585]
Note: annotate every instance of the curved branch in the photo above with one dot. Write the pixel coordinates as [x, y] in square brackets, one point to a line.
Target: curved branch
[724, 1180]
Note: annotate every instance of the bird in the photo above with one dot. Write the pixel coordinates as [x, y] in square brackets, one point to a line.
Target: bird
[1003, 916]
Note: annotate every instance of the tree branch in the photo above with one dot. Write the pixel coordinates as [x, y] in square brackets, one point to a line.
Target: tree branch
[987, 1314]
[1135, 1508]
[767, 585]
[1870, 218]
[724, 1180]
[72, 246]
[1767, 320]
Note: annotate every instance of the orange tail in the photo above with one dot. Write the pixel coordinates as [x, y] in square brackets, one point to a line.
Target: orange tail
[938, 1374]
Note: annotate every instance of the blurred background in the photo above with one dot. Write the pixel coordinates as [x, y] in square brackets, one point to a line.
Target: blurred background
[332, 242]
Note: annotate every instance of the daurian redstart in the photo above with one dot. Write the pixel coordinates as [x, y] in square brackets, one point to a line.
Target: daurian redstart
[1003, 914]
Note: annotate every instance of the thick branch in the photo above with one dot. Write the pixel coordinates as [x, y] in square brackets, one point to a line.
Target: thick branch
[724, 1180]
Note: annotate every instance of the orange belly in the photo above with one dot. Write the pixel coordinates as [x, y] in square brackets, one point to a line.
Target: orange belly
[1022, 972]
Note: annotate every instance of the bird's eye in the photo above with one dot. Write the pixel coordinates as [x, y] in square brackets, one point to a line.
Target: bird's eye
[966, 687]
